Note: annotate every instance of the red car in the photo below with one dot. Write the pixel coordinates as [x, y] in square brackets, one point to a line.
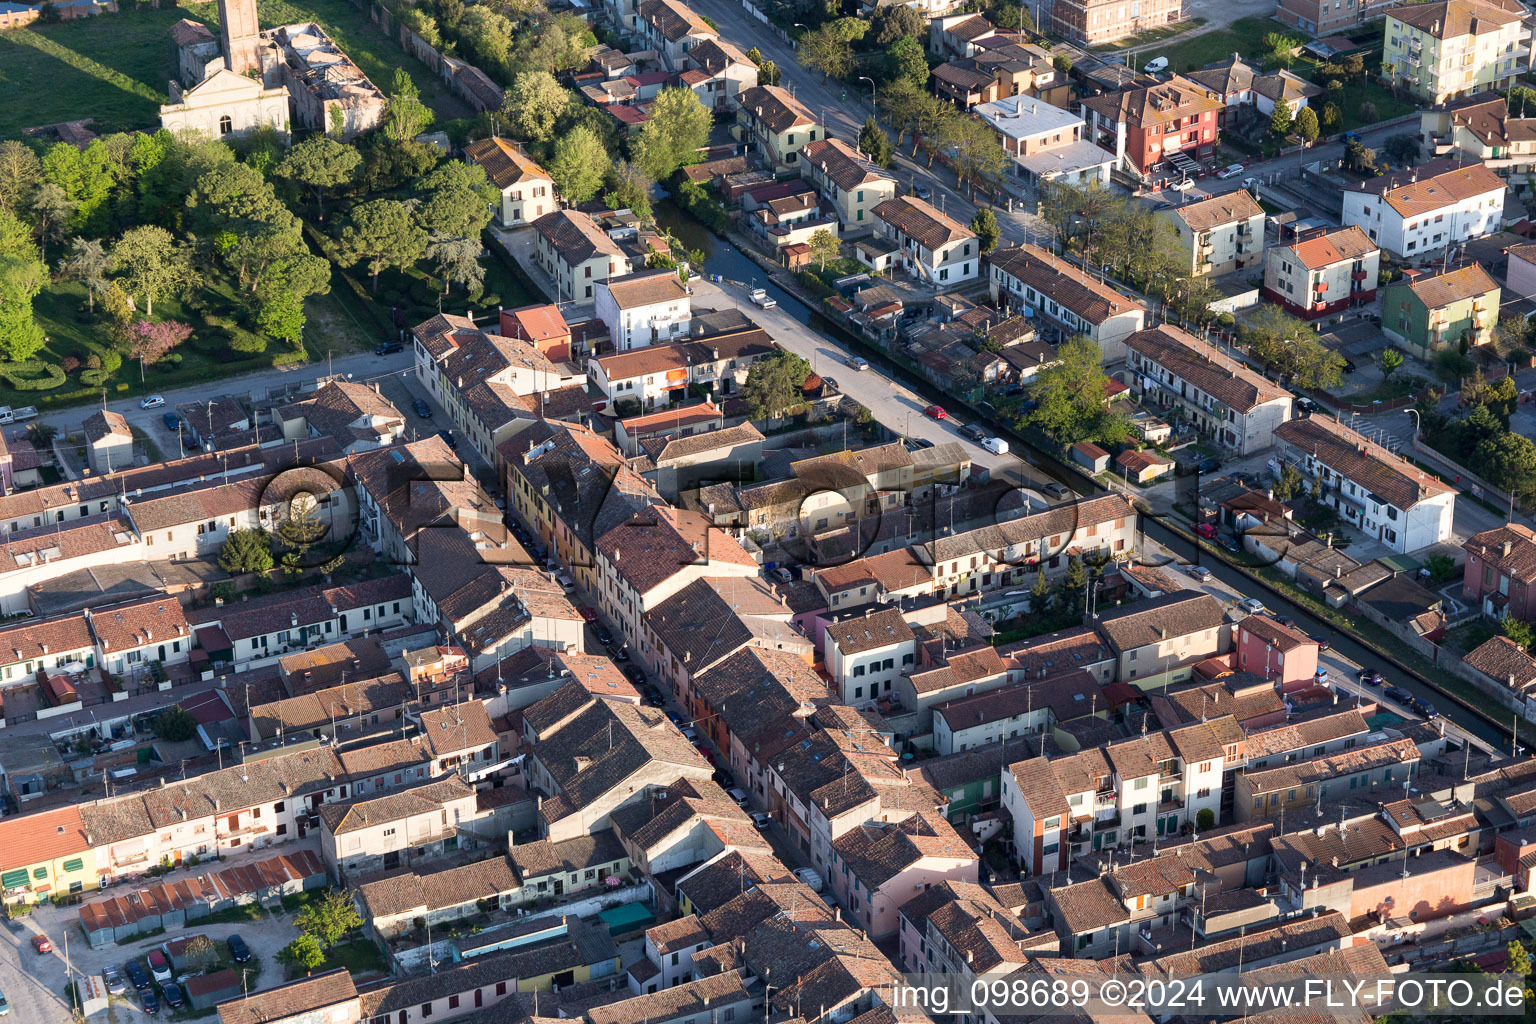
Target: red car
[935, 411]
[1206, 530]
[588, 614]
[41, 944]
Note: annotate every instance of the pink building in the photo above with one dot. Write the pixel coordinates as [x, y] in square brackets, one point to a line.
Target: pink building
[1500, 574]
[1275, 652]
[876, 867]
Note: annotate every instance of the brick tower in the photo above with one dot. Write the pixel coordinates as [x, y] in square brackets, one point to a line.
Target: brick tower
[241, 35]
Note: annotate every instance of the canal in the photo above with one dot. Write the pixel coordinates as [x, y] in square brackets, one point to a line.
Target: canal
[723, 258]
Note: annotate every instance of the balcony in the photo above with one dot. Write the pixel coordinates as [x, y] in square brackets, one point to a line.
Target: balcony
[1358, 275]
[1320, 287]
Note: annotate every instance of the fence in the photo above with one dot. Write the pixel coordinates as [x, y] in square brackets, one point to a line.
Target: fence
[1463, 476]
[456, 74]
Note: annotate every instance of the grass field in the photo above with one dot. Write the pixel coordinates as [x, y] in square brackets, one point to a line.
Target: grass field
[115, 67]
[1244, 36]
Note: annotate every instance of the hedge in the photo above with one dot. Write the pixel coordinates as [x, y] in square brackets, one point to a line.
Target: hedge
[33, 375]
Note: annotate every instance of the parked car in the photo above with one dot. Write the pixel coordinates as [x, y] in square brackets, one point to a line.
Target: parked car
[113, 980]
[172, 422]
[1206, 530]
[690, 734]
[565, 581]
[1285, 620]
[1231, 171]
[603, 636]
[447, 436]
[738, 794]
[619, 652]
[1349, 366]
[239, 952]
[652, 698]
[151, 1004]
[1182, 185]
[1155, 66]
[921, 191]
[917, 444]
[159, 966]
[762, 820]
[5, 1006]
[151, 402]
[1055, 489]
[782, 574]
[422, 409]
[635, 674]
[935, 412]
[995, 445]
[1200, 573]
[1399, 694]
[587, 615]
[1250, 183]
[137, 977]
[173, 997]
[387, 348]
[811, 878]
[972, 432]
[1426, 709]
[1321, 640]
[858, 362]
[41, 944]
[1251, 605]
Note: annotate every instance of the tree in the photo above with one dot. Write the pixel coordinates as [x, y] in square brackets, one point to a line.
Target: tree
[849, 29]
[1358, 156]
[1508, 460]
[988, 234]
[774, 385]
[456, 199]
[246, 551]
[86, 177]
[894, 22]
[1330, 118]
[329, 918]
[874, 143]
[320, 165]
[629, 188]
[87, 263]
[1520, 101]
[1280, 121]
[1389, 361]
[175, 725]
[281, 316]
[824, 246]
[152, 262]
[901, 101]
[1013, 17]
[407, 116]
[52, 212]
[825, 51]
[1520, 632]
[20, 172]
[1062, 63]
[579, 164]
[1074, 582]
[1040, 593]
[1290, 483]
[769, 73]
[1071, 404]
[676, 128]
[1205, 819]
[1082, 214]
[905, 59]
[1519, 963]
[152, 341]
[484, 33]
[1306, 125]
[534, 102]
[22, 276]
[456, 259]
[1402, 149]
[978, 156]
[382, 234]
[1280, 50]
[41, 435]
[303, 953]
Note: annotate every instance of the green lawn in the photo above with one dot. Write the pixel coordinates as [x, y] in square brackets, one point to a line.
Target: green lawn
[359, 957]
[114, 68]
[1244, 36]
[1151, 35]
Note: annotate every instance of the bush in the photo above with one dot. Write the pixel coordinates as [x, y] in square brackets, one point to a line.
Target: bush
[702, 207]
[33, 375]
[69, 364]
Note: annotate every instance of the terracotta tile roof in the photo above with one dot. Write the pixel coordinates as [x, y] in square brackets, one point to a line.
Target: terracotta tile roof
[1491, 124]
[917, 219]
[776, 108]
[105, 423]
[703, 997]
[1333, 766]
[1448, 286]
[392, 806]
[417, 894]
[1434, 186]
[1365, 462]
[1086, 907]
[1069, 285]
[1330, 927]
[679, 934]
[45, 836]
[719, 881]
[28, 641]
[1040, 787]
[1504, 661]
[1218, 211]
[1273, 634]
[1233, 75]
[457, 727]
[1340, 245]
[841, 164]
[882, 628]
[674, 20]
[1245, 704]
[575, 236]
[645, 288]
[716, 55]
[505, 162]
[320, 992]
[1055, 654]
[1287, 84]
[1452, 18]
[1230, 382]
[189, 33]
[1158, 104]
[1142, 623]
[653, 547]
[600, 849]
[130, 626]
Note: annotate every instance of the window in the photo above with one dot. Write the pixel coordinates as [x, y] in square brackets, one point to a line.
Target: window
[453, 1002]
[226, 125]
[74, 865]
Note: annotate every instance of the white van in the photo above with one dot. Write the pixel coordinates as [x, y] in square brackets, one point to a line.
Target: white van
[1156, 66]
[995, 445]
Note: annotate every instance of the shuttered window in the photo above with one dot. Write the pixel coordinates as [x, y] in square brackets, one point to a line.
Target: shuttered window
[74, 865]
[14, 879]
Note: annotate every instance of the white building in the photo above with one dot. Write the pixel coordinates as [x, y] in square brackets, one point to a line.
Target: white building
[223, 104]
[1045, 142]
[527, 191]
[1380, 494]
[1220, 234]
[1030, 280]
[577, 253]
[645, 308]
[933, 247]
[865, 655]
[1421, 211]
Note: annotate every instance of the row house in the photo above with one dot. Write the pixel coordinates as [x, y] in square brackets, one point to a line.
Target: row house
[1455, 48]
[1381, 494]
[357, 416]
[957, 35]
[1429, 312]
[931, 246]
[1503, 666]
[576, 254]
[1221, 234]
[777, 125]
[1158, 641]
[48, 854]
[1272, 650]
[960, 928]
[876, 866]
[406, 489]
[1330, 17]
[541, 325]
[1362, 772]
[686, 823]
[1427, 209]
[1483, 130]
[1223, 398]
[1308, 735]
[1020, 709]
[998, 67]
[867, 654]
[1149, 126]
[943, 677]
[527, 190]
[1322, 272]
[250, 634]
[1045, 142]
[400, 828]
[35, 556]
[1097, 22]
[1035, 282]
[647, 307]
[658, 375]
[1237, 83]
[1499, 576]
[846, 180]
[1117, 795]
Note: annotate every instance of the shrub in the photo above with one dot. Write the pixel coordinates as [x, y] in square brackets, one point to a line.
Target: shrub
[94, 378]
[33, 375]
[69, 364]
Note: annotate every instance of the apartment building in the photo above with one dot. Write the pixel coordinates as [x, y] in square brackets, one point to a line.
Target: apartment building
[1380, 494]
[1499, 576]
[1428, 311]
[399, 828]
[672, 29]
[847, 181]
[877, 866]
[1328, 17]
[1045, 142]
[1273, 651]
[1147, 126]
[1034, 281]
[1362, 772]
[527, 191]
[1001, 66]
[1440, 51]
[1227, 401]
[866, 654]
[777, 125]
[1097, 22]
[932, 247]
[1323, 272]
[577, 254]
[1221, 234]
[647, 307]
[718, 74]
[1486, 130]
[1420, 212]
[655, 375]
[1158, 641]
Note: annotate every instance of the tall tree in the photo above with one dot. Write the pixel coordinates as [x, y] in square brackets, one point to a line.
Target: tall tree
[329, 918]
[320, 164]
[629, 188]
[824, 246]
[456, 200]
[534, 103]
[900, 101]
[153, 264]
[87, 263]
[381, 234]
[486, 34]
[456, 259]
[826, 51]
[874, 143]
[22, 276]
[1306, 125]
[579, 164]
[905, 59]
[676, 128]
[154, 340]
[407, 117]
[978, 157]
[85, 175]
[52, 212]
[1280, 121]
[1071, 404]
[775, 384]
[896, 21]
[988, 234]
[1082, 214]
[20, 171]
[282, 316]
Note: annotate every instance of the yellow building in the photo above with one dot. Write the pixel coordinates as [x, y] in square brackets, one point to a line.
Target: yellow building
[1441, 51]
[44, 854]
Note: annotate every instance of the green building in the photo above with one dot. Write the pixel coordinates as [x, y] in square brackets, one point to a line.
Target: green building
[1435, 310]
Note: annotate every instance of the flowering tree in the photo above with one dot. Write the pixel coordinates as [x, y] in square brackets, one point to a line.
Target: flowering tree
[149, 342]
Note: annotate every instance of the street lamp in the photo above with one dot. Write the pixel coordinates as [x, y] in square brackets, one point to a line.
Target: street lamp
[1418, 423]
[871, 81]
